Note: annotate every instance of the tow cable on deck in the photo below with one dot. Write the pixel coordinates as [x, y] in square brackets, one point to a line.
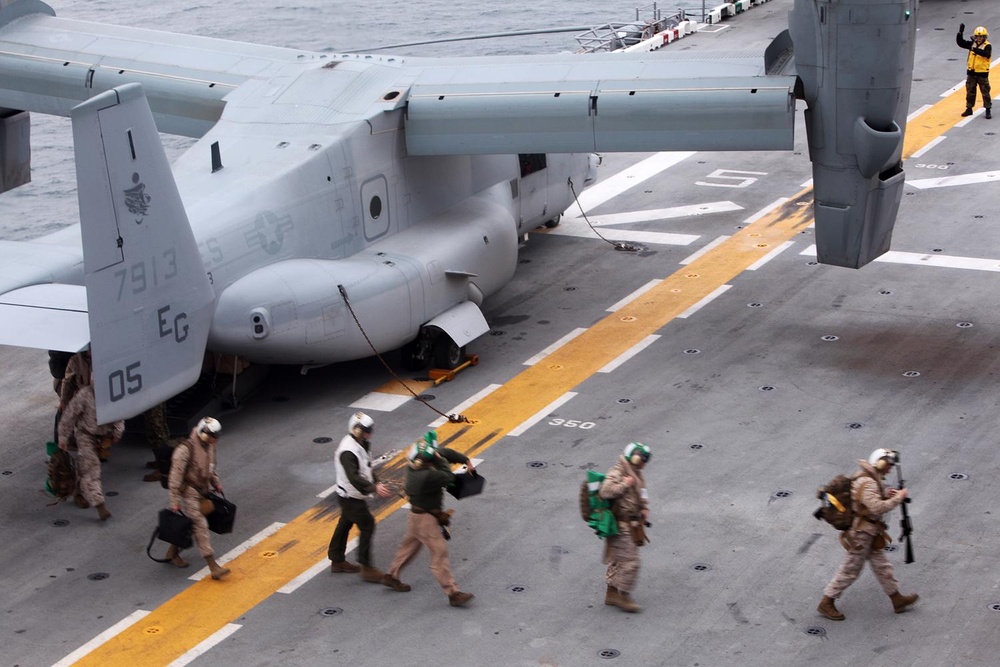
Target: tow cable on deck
[473, 360]
[618, 245]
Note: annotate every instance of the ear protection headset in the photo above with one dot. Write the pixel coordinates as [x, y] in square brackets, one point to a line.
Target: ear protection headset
[637, 453]
[209, 428]
[882, 459]
[362, 421]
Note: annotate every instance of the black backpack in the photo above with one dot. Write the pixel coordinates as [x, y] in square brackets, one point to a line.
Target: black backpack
[836, 507]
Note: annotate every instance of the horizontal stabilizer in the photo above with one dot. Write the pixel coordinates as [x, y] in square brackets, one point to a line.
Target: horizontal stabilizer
[46, 317]
[149, 296]
[32, 262]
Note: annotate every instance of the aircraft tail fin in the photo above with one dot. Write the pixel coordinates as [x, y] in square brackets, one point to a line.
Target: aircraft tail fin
[149, 298]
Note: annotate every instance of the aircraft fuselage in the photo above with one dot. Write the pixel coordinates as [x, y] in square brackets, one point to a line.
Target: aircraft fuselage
[324, 199]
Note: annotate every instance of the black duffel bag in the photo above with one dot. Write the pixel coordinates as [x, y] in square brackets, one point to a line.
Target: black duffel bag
[222, 518]
[173, 528]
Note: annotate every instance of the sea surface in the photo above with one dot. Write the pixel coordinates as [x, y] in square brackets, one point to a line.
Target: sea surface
[49, 202]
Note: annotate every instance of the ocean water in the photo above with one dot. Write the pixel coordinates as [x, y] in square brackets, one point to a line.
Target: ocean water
[49, 203]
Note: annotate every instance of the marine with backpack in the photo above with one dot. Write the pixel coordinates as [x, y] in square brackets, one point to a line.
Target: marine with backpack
[864, 537]
[624, 489]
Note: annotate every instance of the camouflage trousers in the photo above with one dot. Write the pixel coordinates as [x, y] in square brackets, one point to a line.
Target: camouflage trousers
[861, 552]
[423, 529]
[88, 469]
[157, 432]
[191, 507]
[622, 556]
[982, 82]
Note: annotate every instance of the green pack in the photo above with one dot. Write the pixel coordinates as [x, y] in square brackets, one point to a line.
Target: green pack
[594, 510]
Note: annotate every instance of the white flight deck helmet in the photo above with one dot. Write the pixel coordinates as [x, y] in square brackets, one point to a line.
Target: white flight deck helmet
[361, 421]
[882, 459]
[207, 427]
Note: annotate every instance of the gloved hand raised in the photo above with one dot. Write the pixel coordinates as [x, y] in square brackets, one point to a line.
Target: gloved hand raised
[961, 28]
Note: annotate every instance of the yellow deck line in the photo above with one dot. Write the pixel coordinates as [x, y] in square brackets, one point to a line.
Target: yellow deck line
[404, 387]
[207, 606]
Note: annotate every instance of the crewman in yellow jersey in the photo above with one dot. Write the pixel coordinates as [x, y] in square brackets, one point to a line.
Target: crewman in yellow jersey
[977, 73]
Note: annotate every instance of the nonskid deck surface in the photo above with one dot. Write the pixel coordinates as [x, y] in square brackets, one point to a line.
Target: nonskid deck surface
[754, 382]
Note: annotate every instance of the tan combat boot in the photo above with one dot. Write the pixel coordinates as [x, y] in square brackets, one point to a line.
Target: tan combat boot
[900, 602]
[217, 571]
[372, 575]
[829, 609]
[344, 566]
[621, 599]
[174, 555]
[458, 598]
[395, 584]
[102, 512]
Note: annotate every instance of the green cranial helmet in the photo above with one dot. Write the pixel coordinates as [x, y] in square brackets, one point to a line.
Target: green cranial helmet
[426, 449]
[637, 453]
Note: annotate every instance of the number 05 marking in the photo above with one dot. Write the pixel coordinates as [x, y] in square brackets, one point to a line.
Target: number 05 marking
[125, 381]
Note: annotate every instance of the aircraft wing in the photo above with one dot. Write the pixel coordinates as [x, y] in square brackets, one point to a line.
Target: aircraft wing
[857, 93]
[572, 103]
[51, 64]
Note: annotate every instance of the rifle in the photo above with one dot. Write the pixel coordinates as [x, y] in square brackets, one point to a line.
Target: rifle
[907, 532]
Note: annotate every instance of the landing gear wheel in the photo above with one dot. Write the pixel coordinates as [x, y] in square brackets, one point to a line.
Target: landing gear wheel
[447, 354]
[413, 356]
[554, 222]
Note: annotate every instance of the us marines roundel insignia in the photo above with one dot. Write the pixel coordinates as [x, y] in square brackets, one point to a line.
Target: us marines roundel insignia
[268, 232]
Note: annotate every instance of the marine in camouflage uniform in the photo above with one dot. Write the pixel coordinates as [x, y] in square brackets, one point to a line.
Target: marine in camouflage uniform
[192, 476]
[79, 423]
[626, 487]
[865, 540]
[77, 375]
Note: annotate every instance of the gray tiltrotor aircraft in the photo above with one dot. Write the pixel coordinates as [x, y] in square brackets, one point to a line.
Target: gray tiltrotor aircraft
[392, 186]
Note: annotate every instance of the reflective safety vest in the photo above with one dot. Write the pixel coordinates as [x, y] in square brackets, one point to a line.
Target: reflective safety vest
[344, 487]
[977, 63]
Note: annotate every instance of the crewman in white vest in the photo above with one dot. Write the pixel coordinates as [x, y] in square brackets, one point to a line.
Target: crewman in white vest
[356, 482]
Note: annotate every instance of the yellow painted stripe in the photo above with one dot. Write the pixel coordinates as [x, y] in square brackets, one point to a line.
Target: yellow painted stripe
[405, 387]
[207, 606]
[934, 122]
